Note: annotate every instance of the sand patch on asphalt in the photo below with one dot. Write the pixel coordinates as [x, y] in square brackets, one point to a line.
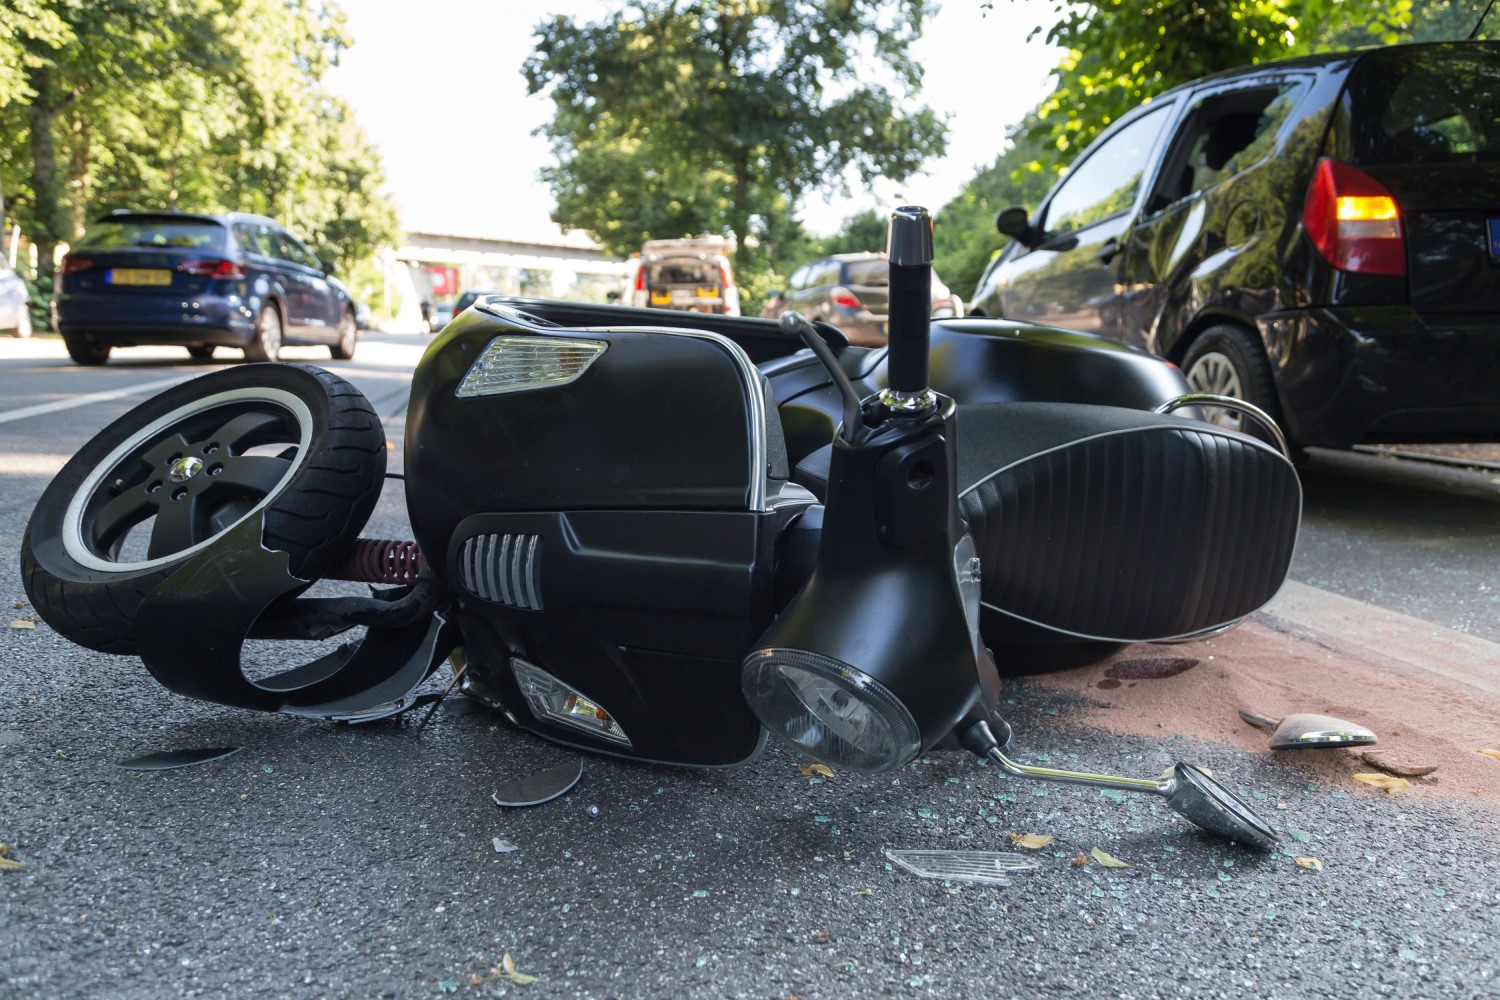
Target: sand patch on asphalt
[1277, 670]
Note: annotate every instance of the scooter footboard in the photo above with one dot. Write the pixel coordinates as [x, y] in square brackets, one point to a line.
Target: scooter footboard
[1103, 523]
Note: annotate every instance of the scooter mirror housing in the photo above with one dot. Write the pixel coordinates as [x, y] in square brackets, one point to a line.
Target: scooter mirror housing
[875, 659]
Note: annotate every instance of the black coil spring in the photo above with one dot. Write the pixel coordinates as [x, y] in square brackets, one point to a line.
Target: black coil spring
[379, 560]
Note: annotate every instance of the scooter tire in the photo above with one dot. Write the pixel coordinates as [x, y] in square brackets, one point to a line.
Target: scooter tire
[84, 579]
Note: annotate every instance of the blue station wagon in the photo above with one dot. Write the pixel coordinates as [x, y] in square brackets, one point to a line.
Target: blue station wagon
[201, 282]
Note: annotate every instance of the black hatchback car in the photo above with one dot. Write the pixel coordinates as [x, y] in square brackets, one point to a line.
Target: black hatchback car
[1320, 237]
[199, 281]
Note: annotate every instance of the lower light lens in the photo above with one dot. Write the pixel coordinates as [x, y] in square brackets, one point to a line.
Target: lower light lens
[832, 711]
[550, 698]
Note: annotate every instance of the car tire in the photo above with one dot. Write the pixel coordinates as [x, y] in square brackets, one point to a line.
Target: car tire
[85, 350]
[202, 352]
[343, 348]
[23, 321]
[268, 336]
[82, 562]
[1227, 360]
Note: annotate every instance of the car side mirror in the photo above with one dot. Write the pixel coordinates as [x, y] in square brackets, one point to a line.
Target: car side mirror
[1016, 223]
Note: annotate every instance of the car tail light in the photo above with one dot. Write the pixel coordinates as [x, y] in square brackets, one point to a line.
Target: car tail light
[1354, 221]
[844, 299]
[213, 267]
[640, 277]
[72, 265]
[725, 278]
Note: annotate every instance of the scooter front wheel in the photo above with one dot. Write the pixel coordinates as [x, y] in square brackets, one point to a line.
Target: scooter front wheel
[169, 478]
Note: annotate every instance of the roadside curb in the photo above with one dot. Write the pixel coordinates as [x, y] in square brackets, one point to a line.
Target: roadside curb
[1401, 643]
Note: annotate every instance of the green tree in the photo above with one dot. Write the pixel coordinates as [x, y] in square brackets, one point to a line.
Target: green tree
[676, 117]
[202, 105]
[1121, 53]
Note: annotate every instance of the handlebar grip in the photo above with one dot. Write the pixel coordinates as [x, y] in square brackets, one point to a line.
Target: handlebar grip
[910, 310]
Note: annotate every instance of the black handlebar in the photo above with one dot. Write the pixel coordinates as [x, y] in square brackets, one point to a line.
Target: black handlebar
[910, 311]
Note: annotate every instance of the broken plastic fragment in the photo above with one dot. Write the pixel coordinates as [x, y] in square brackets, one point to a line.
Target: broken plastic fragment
[1032, 841]
[534, 789]
[1107, 860]
[962, 866]
[22, 623]
[504, 846]
[165, 760]
[1385, 782]
[1311, 864]
[812, 769]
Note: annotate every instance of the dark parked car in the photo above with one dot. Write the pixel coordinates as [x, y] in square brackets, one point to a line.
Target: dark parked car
[852, 291]
[1320, 237]
[468, 298]
[199, 281]
[15, 303]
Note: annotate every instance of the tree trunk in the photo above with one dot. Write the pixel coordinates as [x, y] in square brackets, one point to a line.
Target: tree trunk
[46, 183]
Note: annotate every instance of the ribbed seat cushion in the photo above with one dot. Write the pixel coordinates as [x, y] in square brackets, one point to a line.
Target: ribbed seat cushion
[1119, 524]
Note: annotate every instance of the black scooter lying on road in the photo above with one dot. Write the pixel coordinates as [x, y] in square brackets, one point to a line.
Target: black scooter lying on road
[663, 535]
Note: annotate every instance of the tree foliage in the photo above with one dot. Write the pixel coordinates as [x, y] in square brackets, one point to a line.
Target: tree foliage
[678, 117]
[1119, 54]
[201, 105]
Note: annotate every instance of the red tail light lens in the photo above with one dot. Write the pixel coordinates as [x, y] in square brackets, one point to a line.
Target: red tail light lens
[1354, 221]
[844, 299]
[640, 278]
[213, 267]
[72, 265]
[725, 278]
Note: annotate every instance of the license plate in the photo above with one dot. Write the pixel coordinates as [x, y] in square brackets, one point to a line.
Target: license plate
[1494, 225]
[138, 276]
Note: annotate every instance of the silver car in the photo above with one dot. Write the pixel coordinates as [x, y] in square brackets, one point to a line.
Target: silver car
[15, 303]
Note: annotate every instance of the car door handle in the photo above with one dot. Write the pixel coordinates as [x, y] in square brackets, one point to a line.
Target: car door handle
[1108, 251]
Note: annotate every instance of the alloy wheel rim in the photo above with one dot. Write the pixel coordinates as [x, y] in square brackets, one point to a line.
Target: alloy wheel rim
[189, 474]
[1214, 373]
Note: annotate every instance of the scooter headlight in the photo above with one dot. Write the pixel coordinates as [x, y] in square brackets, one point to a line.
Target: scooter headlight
[834, 712]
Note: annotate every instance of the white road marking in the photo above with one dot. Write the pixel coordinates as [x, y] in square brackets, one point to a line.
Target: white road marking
[93, 397]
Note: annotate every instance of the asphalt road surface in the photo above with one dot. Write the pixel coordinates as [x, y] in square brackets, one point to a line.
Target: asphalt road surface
[325, 860]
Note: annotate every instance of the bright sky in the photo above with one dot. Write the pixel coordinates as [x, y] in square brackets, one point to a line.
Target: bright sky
[438, 87]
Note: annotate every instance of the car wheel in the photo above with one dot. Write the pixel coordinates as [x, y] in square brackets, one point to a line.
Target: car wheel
[267, 343]
[1228, 361]
[202, 352]
[23, 321]
[85, 350]
[161, 483]
[343, 350]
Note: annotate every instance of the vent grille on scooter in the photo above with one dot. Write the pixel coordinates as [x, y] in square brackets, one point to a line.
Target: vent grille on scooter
[503, 569]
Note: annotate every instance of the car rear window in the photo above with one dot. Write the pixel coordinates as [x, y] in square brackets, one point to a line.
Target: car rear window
[188, 234]
[1428, 104]
[683, 271]
[870, 273]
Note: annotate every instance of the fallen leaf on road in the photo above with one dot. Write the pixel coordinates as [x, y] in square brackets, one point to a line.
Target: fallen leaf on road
[21, 623]
[1107, 860]
[1311, 864]
[1385, 782]
[10, 865]
[1375, 760]
[812, 769]
[1034, 841]
[1489, 753]
[1080, 860]
[519, 978]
